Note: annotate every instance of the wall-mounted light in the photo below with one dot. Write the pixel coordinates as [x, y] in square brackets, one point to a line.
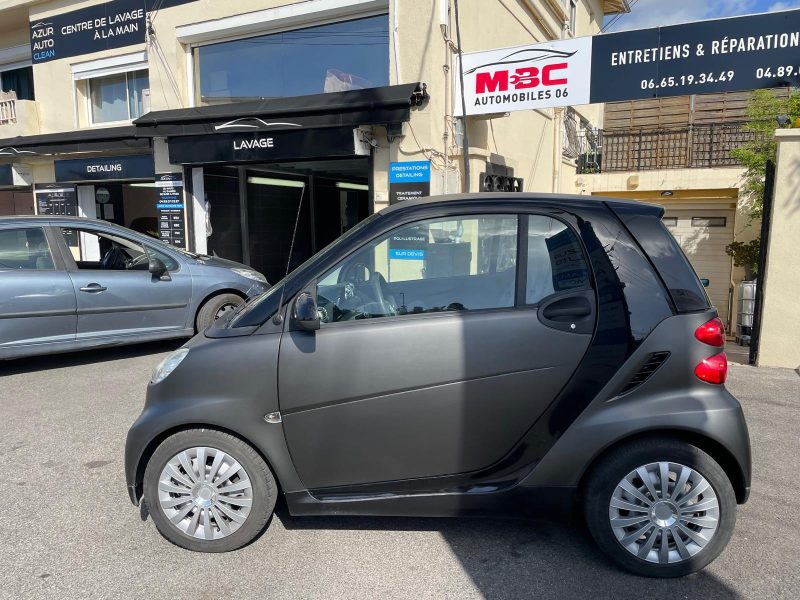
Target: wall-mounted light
[149, 184]
[278, 182]
[667, 193]
[343, 185]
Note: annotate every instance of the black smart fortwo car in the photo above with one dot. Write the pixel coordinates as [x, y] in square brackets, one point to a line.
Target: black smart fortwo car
[466, 355]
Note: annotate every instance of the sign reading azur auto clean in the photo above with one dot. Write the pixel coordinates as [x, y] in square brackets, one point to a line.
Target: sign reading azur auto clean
[734, 54]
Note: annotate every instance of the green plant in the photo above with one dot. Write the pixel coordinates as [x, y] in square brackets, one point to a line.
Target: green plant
[762, 111]
[745, 254]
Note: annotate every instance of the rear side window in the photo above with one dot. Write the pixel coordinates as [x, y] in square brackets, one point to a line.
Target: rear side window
[671, 263]
[25, 249]
[555, 259]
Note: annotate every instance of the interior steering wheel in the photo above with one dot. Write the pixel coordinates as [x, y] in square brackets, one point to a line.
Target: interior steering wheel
[359, 273]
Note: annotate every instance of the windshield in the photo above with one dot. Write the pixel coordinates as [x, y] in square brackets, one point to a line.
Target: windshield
[262, 307]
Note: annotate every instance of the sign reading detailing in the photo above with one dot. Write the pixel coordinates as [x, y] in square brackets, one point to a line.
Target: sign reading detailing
[171, 210]
[136, 166]
[735, 54]
[56, 199]
[105, 26]
[408, 180]
[258, 146]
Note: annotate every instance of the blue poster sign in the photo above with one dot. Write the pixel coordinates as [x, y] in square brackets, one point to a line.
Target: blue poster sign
[409, 180]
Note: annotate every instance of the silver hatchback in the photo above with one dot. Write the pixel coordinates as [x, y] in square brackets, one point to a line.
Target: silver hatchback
[69, 283]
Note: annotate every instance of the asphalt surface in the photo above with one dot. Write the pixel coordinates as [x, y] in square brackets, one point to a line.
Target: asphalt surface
[69, 531]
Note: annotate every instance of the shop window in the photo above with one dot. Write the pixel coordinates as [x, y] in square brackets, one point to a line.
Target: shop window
[25, 249]
[709, 221]
[118, 97]
[573, 16]
[19, 81]
[334, 57]
[428, 267]
[555, 260]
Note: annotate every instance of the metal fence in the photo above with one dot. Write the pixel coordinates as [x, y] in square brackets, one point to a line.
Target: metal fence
[693, 146]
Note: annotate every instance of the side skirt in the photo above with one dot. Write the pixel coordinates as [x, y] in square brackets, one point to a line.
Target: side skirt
[518, 502]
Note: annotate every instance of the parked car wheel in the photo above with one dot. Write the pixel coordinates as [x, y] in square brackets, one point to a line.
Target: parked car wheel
[208, 491]
[660, 508]
[215, 308]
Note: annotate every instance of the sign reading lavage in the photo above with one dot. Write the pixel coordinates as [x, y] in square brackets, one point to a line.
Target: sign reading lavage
[721, 55]
[104, 26]
[261, 146]
[170, 207]
[56, 199]
[408, 180]
[137, 166]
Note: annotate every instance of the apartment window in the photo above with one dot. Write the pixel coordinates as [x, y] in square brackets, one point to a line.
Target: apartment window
[19, 81]
[573, 16]
[118, 97]
[334, 57]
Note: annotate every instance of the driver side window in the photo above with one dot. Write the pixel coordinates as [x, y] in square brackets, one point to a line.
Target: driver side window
[93, 250]
[438, 265]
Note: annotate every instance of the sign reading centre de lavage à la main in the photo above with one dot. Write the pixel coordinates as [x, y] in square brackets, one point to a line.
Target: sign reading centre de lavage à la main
[103, 26]
[721, 55]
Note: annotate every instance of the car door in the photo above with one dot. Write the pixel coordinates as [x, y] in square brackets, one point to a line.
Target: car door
[116, 294]
[37, 300]
[434, 355]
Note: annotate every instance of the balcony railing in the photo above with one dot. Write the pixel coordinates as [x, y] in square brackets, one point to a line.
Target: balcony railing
[8, 108]
[688, 147]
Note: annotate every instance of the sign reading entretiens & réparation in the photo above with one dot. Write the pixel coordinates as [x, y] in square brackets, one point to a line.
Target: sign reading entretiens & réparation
[721, 55]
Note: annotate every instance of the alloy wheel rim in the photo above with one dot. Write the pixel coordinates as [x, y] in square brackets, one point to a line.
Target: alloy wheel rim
[664, 512]
[205, 493]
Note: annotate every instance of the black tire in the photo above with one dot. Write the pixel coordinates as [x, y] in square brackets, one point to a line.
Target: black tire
[208, 311]
[615, 466]
[265, 489]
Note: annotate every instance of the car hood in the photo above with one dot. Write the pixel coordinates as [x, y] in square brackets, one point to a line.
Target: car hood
[215, 261]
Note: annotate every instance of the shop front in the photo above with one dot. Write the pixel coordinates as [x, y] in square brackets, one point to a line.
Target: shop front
[260, 174]
[16, 195]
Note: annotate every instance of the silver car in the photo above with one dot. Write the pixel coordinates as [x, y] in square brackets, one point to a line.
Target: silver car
[69, 283]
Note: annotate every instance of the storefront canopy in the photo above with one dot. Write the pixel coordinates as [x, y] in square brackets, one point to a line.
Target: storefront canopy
[389, 106]
[82, 140]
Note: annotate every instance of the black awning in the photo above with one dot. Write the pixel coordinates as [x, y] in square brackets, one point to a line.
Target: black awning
[390, 105]
[82, 140]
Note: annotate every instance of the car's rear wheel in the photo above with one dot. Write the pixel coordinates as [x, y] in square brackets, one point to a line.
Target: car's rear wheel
[660, 508]
[215, 308]
[208, 491]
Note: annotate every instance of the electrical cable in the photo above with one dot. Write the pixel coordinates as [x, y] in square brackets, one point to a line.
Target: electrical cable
[464, 138]
[278, 315]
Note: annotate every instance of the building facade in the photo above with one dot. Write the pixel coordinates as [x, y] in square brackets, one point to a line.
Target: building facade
[214, 124]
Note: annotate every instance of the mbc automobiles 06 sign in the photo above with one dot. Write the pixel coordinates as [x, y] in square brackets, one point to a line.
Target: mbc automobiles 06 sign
[735, 54]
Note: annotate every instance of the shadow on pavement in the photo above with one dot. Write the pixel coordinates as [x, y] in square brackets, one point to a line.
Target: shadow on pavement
[46, 362]
[529, 559]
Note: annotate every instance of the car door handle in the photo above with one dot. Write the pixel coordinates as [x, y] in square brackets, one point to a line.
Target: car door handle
[557, 312]
[94, 287]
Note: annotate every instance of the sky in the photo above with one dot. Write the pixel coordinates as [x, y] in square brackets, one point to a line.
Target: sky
[652, 13]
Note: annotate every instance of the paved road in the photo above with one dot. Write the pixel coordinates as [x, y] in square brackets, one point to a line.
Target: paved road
[69, 531]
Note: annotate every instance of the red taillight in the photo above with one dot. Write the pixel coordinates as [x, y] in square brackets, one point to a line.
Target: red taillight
[713, 369]
[711, 333]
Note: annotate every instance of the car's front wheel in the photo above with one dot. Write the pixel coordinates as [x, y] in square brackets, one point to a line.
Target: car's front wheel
[208, 491]
[660, 508]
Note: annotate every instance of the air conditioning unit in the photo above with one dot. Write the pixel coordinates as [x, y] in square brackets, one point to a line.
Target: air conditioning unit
[500, 183]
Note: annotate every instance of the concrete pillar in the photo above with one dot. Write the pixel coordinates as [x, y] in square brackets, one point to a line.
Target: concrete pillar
[780, 319]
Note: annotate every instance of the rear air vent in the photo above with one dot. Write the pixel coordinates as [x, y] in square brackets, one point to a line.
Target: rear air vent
[649, 366]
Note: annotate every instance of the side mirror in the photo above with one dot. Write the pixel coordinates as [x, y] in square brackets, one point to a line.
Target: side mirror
[705, 282]
[157, 266]
[305, 313]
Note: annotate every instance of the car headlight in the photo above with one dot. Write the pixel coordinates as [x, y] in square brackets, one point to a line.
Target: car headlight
[250, 274]
[168, 365]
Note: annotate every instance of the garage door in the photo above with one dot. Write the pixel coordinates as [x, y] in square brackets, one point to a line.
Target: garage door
[703, 235]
